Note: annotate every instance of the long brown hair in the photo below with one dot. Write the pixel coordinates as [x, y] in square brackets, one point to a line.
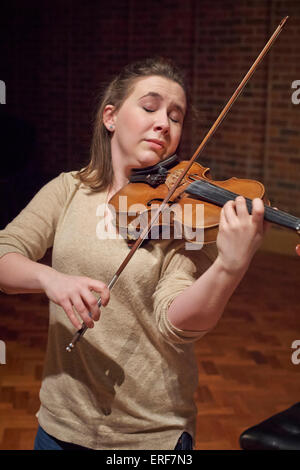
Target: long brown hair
[98, 174]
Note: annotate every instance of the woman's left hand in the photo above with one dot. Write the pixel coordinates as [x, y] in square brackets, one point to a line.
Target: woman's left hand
[240, 234]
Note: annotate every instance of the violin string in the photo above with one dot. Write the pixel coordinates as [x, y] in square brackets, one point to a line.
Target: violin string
[270, 210]
[273, 214]
[282, 215]
[220, 196]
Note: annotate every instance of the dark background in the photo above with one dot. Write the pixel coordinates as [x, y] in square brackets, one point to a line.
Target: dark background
[56, 55]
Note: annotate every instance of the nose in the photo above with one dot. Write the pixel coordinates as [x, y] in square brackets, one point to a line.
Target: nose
[162, 124]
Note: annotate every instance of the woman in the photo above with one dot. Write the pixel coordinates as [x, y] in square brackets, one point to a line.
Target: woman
[129, 383]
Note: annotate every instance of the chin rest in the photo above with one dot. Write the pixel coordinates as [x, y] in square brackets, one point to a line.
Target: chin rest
[279, 432]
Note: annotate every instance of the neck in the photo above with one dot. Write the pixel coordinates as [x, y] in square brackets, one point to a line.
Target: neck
[121, 178]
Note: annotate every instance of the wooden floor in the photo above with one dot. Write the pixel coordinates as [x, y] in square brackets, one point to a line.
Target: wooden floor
[245, 368]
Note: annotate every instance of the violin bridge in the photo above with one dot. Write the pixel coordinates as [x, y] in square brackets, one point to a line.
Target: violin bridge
[172, 178]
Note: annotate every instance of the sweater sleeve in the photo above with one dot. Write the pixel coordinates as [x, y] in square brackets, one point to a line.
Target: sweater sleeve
[32, 231]
[180, 269]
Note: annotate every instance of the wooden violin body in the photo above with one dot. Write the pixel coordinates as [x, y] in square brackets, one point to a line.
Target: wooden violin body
[136, 202]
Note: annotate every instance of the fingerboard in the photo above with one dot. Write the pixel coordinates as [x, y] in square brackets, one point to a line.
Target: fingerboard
[211, 193]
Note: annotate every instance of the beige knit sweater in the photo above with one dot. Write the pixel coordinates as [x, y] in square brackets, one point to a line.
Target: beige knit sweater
[130, 381]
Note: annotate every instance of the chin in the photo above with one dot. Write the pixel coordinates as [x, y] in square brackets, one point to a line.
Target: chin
[149, 160]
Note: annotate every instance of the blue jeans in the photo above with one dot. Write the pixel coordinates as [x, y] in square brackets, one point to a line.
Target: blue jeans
[43, 441]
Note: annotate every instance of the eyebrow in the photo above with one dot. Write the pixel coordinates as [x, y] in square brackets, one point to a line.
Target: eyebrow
[158, 96]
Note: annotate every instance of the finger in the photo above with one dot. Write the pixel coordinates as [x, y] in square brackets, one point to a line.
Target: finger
[241, 207]
[102, 289]
[229, 212]
[68, 308]
[92, 304]
[222, 221]
[83, 311]
[258, 211]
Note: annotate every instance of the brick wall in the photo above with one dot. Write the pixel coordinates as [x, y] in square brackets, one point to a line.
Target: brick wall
[282, 150]
[55, 55]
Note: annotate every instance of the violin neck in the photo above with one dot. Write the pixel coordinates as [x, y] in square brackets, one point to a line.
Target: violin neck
[216, 195]
[282, 218]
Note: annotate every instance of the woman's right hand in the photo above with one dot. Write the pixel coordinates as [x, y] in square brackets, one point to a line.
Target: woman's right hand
[74, 292]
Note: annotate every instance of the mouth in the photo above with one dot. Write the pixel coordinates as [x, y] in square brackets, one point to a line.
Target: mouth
[158, 144]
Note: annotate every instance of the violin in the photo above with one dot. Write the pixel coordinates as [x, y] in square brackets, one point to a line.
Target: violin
[189, 183]
[135, 204]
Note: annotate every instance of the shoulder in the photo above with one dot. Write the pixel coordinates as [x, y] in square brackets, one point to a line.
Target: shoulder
[63, 184]
[69, 179]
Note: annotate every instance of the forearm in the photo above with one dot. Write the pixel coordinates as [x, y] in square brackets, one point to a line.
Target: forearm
[20, 275]
[200, 306]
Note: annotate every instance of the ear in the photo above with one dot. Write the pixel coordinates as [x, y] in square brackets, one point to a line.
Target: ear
[109, 117]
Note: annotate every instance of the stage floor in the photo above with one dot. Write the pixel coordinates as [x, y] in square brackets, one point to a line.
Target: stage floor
[246, 373]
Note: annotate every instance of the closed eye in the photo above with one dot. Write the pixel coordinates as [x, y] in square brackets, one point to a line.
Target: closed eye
[148, 110]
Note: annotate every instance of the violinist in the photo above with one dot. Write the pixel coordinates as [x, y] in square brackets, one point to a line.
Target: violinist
[130, 382]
